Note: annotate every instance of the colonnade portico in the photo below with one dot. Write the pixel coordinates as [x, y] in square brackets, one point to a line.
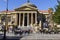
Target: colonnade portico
[28, 16]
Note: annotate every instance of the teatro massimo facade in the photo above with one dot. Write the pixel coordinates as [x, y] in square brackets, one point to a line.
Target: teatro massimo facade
[25, 16]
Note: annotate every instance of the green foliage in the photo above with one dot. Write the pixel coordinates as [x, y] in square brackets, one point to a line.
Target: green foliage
[56, 16]
[51, 9]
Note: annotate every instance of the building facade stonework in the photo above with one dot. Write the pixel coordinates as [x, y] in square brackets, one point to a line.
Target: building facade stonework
[26, 15]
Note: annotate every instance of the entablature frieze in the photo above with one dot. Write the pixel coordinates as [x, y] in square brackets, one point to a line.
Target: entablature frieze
[24, 12]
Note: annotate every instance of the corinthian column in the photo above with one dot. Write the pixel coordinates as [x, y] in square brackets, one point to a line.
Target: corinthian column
[31, 19]
[35, 18]
[23, 19]
[19, 19]
[27, 19]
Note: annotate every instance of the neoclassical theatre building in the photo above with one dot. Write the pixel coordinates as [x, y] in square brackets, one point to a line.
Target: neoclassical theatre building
[25, 16]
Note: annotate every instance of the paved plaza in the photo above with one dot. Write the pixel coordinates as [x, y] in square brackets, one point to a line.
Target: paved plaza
[10, 35]
[33, 36]
[42, 37]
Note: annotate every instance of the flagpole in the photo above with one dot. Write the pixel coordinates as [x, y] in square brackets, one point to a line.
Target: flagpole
[5, 21]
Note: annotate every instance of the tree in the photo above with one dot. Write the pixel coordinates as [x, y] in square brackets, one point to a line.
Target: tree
[56, 16]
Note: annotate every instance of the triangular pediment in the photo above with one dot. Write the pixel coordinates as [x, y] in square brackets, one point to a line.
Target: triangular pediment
[25, 8]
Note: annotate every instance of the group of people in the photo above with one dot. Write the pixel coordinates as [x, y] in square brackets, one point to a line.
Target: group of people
[17, 30]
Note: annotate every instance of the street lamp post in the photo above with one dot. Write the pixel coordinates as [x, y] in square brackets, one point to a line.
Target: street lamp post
[6, 21]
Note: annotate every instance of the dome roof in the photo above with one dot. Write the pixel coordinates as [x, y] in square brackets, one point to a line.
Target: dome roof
[29, 4]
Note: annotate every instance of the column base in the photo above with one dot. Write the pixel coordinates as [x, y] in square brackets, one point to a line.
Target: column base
[31, 25]
[22, 25]
[19, 26]
[28, 25]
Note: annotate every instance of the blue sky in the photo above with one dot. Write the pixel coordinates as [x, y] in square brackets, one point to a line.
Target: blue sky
[41, 4]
